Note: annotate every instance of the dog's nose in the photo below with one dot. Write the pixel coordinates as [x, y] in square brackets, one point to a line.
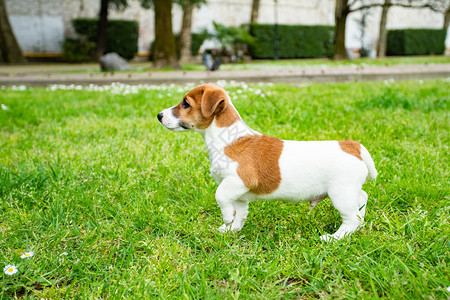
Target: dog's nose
[160, 116]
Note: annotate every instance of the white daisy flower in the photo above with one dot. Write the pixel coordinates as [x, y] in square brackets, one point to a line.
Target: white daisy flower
[27, 254]
[10, 270]
[61, 256]
[4, 107]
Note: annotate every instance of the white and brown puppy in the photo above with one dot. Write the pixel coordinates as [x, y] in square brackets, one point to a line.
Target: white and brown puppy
[250, 166]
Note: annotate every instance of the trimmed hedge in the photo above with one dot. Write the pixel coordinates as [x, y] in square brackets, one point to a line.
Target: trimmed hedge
[76, 50]
[122, 35]
[294, 41]
[415, 41]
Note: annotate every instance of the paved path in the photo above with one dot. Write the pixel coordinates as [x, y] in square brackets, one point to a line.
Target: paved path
[286, 75]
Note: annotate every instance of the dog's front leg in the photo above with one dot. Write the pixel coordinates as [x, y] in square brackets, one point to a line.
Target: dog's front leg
[241, 209]
[228, 192]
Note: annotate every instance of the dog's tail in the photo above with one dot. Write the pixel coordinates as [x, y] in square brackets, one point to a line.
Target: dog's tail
[367, 159]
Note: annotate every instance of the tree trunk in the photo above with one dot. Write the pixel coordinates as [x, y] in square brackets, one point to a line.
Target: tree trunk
[185, 39]
[10, 51]
[164, 47]
[382, 39]
[255, 11]
[102, 26]
[446, 19]
[340, 17]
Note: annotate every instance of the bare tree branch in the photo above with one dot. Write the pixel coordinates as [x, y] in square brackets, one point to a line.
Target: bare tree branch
[436, 5]
[401, 5]
[352, 3]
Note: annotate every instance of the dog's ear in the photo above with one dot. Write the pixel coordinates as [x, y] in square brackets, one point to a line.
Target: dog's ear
[213, 101]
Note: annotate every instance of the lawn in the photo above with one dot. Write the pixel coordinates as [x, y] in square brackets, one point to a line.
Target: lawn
[113, 205]
[327, 63]
[64, 68]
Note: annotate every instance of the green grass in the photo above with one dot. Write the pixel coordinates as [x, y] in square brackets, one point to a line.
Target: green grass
[94, 174]
[64, 68]
[327, 63]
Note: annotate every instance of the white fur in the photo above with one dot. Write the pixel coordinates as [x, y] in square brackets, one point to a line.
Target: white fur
[369, 163]
[170, 121]
[310, 171]
[216, 139]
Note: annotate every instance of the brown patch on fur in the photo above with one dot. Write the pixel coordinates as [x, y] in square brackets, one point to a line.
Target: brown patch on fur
[351, 147]
[257, 157]
[206, 102]
[227, 117]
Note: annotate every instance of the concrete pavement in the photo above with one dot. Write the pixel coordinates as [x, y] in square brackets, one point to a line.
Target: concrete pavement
[279, 74]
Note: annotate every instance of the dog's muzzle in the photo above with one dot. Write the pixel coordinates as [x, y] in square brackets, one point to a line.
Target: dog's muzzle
[168, 120]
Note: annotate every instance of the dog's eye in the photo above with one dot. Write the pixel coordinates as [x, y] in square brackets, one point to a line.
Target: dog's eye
[185, 104]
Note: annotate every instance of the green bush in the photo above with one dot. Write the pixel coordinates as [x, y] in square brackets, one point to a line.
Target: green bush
[197, 41]
[122, 35]
[294, 41]
[78, 50]
[415, 41]
[231, 36]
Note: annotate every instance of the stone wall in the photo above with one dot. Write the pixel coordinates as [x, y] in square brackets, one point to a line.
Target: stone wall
[41, 25]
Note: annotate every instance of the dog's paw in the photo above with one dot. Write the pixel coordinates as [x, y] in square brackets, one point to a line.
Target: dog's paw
[236, 228]
[328, 238]
[224, 228]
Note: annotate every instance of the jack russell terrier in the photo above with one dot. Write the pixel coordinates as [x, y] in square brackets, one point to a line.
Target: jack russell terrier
[250, 166]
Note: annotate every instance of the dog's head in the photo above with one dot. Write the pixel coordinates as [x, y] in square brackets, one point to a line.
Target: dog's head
[198, 109]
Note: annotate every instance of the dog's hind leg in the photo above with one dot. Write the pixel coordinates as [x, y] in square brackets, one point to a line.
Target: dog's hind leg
[362, 204]
[347, 201]
[227, 194]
